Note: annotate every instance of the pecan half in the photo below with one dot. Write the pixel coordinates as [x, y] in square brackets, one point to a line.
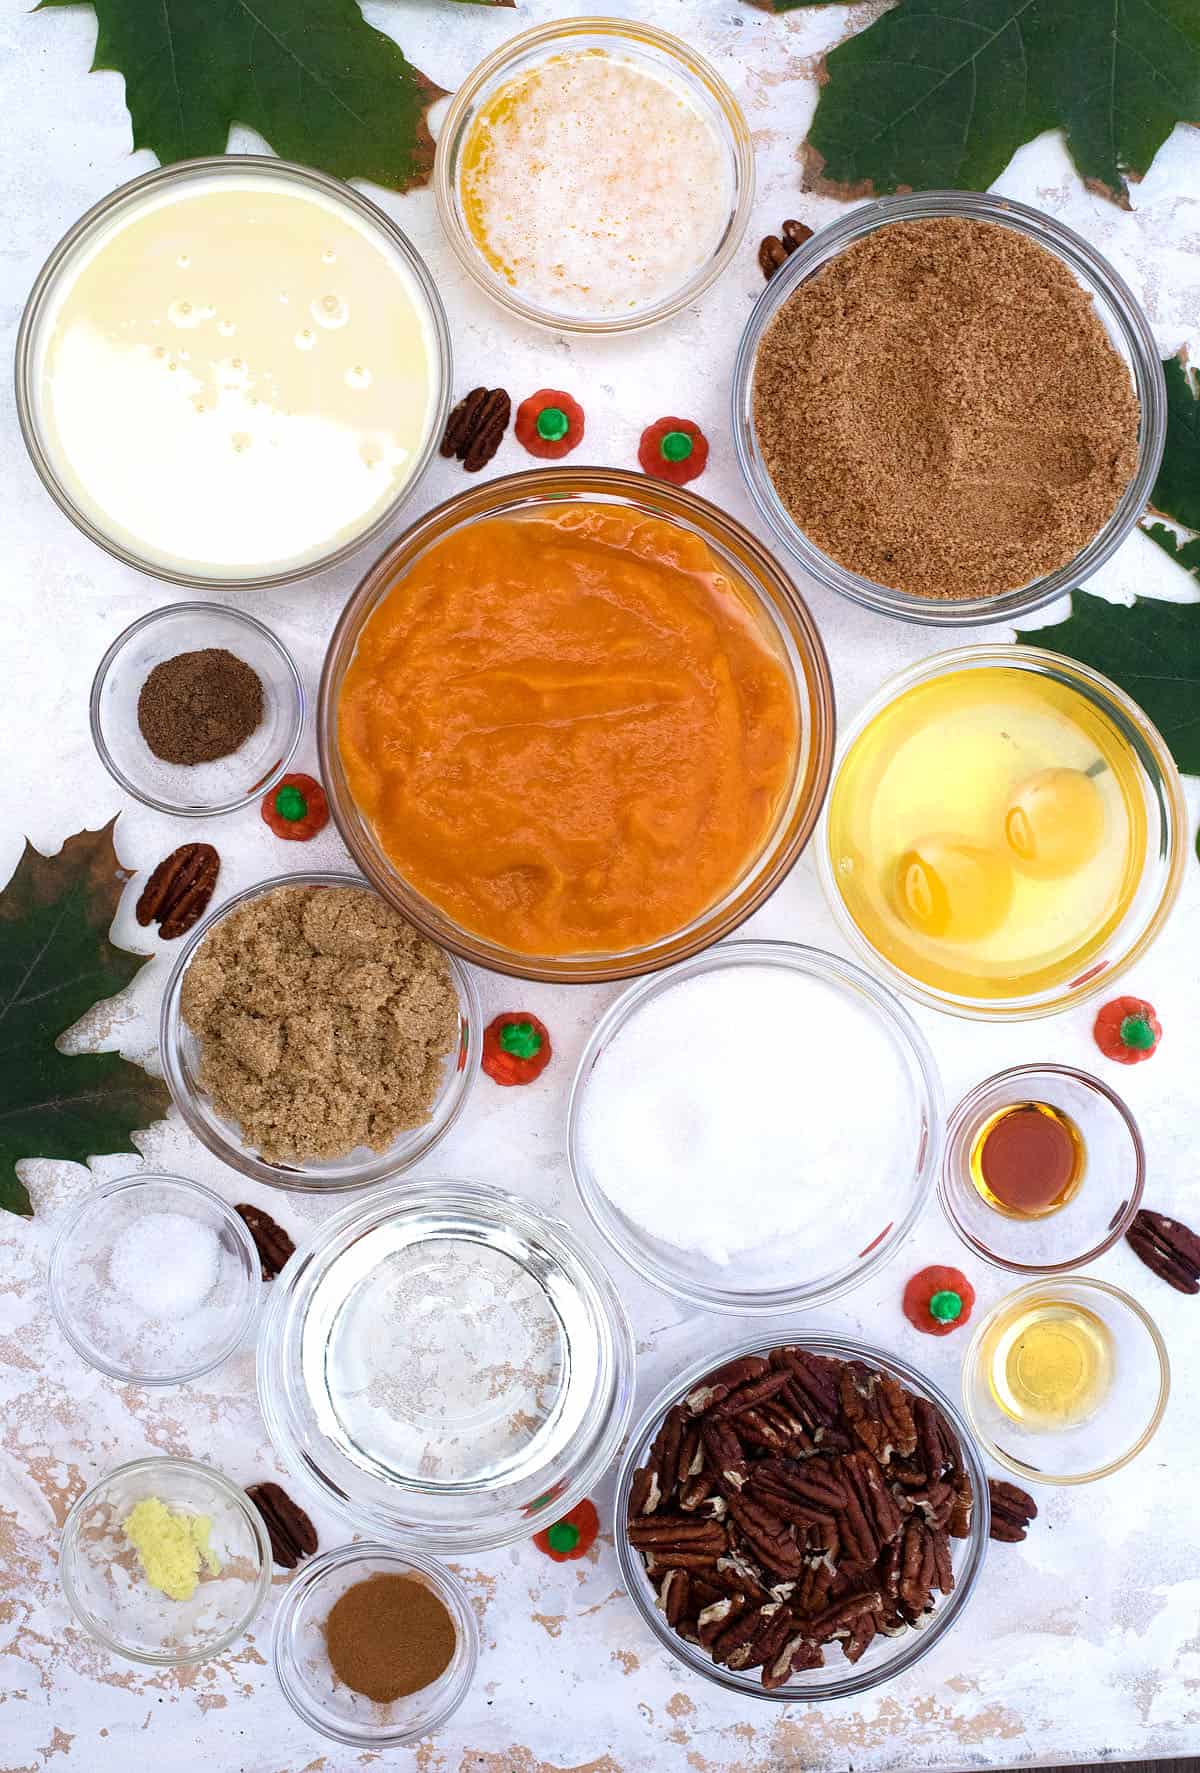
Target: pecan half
[177, 894]
[1168, 1248]
[289, 1529]
[274, 1246]
[776, 249]
[476, 427]
[1012, 1511]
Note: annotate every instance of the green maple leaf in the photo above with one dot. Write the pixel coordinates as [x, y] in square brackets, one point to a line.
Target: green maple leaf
[942, 93]
[1152, 649]
[1177, 489]
[311, 76]
[56, 961]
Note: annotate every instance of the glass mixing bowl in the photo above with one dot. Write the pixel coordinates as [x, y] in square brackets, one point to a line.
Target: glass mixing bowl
[781, 608]
[781, 1273]
[886, 1657]
[1166, 843]
[648, 49]
[443, 1365]
[1119, 314]
[180, 1053]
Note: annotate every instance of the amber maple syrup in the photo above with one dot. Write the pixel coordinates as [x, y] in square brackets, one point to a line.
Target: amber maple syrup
[1028, 1160]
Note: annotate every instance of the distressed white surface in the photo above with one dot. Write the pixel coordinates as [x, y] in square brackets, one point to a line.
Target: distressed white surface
[1084, 1642]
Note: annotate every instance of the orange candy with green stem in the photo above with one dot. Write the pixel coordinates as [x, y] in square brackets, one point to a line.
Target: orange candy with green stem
[571, 1537]
[550, 424]
[673, 449]
[296, 808]
[1127, 1030]
[938, 1300]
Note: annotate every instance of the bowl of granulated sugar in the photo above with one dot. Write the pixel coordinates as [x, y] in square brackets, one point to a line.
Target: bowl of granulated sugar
[949, 408]
[758, 1129]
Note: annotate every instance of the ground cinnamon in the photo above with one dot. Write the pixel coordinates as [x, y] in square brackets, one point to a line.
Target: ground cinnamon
[940, 409]
[389, 1636]
[199, 706]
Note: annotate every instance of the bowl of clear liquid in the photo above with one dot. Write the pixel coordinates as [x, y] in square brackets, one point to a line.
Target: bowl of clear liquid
[447, 1365]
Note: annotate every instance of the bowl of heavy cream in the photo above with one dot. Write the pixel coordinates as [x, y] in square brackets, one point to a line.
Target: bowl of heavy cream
[232, 371]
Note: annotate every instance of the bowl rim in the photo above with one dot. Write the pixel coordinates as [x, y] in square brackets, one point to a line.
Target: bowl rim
[459, 1540]
[448, 1587]
[950, 1179]
[856, 1681]
[561, 32]
[181, 172]
[814, 963]
[305, 1178]
[1096, 274]
[233, 1494]
[197, 611]
[96, 1198]
[1033, 1474]
[766, 580]
[1013, 655]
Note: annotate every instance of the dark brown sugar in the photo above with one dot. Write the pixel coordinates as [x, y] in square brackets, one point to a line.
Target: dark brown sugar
[940, 409]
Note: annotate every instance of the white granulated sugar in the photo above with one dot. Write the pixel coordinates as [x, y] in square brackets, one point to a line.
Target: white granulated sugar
[752, 1106]
[166, 1265]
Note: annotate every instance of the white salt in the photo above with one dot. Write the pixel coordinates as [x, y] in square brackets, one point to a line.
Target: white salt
[753, 1108]
[166, 1264]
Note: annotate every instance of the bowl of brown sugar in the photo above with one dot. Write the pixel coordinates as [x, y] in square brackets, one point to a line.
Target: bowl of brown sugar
[949, 407]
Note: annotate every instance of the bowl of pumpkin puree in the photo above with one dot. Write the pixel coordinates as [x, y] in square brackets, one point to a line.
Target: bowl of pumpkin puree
[576, 724]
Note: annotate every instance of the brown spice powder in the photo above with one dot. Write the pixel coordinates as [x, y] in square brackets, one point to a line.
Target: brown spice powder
[323, 1020]
[389, 1636]
[940, 409]
[200, 706]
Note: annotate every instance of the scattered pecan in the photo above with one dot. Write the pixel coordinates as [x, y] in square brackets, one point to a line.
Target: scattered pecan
[476, 427]
[1012, 1511]
[289, 1529]
[1169, 1249]
[272, 1242]
[177, 894]
[795, 1501]
[776, 249]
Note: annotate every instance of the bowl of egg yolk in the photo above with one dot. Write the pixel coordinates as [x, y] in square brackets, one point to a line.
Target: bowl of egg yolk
[1005, 832]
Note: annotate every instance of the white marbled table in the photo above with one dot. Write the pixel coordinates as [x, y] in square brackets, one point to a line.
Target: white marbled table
[1083, 1643]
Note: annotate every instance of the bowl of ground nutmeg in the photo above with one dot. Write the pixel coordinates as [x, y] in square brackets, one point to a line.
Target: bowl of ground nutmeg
[313, 1039]
[374, 1646]
[196, 709]
[949, 407]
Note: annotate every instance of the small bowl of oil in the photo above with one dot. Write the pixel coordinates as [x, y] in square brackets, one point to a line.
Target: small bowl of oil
[1006, 832]
[1065, 1380]
[1043, 1169]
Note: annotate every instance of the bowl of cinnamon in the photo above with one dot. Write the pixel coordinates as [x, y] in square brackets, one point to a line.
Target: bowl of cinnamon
[949, 408]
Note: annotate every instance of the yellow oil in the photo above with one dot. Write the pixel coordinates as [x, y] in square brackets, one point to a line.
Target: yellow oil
[1049, 1363]
[987, 832]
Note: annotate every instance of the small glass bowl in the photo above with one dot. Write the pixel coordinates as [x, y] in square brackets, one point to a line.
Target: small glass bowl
[151, 189]
[1120, 315]
[444, 1365]
[120, 1336]
[1124, 1421]
[103, 1581]
[644, 46]
[769, 1279]
[1093, 1219]
[179, 1050]
[886, 1657]
[198, 790]
[304, 1671]
[1163, 802]
[782, 611]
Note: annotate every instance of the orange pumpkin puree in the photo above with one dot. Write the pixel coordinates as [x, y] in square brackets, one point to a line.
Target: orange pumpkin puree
[570, 731]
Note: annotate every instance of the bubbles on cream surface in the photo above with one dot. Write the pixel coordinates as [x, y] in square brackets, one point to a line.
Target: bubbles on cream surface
[594, 184]
[236, 376]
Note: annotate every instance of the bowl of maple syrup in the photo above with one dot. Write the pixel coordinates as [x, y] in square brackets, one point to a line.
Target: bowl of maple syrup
[1043, 1169]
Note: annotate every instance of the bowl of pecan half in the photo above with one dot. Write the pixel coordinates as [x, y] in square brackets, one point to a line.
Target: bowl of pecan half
[802, 1521]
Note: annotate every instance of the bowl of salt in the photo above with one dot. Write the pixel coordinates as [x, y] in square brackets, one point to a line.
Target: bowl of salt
[154, 1279]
